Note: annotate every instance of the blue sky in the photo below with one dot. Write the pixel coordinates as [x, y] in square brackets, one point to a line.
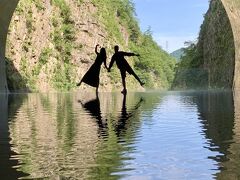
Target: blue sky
[175, 21]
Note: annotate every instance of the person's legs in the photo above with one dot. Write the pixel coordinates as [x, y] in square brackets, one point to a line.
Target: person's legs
[123, 76]
[134, 74]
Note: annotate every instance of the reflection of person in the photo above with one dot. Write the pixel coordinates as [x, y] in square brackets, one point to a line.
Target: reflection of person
[123, 66]
[125, 115]
[92, 75]
[93, 108]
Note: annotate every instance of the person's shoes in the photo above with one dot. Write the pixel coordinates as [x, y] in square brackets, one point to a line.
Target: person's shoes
[124, 91]
[78, 84]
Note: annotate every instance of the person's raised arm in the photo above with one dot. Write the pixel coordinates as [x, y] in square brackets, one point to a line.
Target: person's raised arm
[96, 48]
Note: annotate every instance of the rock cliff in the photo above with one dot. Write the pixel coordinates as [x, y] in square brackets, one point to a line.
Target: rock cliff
[216, 44]
[51, 45]
[215, 58]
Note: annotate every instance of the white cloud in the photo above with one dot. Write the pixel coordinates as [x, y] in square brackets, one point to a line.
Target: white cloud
[171, 43]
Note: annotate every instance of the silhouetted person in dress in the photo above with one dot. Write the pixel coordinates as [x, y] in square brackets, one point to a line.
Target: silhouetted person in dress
[123, 66]
[92, 75]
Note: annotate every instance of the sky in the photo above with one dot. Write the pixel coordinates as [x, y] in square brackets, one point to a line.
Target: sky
[172, 22]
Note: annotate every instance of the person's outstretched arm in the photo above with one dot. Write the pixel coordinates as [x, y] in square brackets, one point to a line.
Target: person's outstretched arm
[96, 48]
[130, 54]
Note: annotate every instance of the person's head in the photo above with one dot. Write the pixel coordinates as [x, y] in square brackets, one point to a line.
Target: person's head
[116, 48]
[103, 52]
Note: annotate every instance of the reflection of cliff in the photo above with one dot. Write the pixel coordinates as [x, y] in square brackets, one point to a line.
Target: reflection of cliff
[222, 128]
[216, 109]
[7, 160]
[52, 140]
[55, 136]
[232, 164]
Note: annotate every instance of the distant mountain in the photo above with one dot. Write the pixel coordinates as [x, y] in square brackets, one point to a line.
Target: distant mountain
[177, 54]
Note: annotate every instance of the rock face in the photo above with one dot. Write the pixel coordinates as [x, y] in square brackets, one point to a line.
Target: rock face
[216, 47]
[220, 44]
[51, 44]
[233, 10]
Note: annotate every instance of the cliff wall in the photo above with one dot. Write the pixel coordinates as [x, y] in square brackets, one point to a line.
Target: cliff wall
[213, 62]
[50, 45]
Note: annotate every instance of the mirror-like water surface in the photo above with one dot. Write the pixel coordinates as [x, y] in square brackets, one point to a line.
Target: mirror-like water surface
[151, 135]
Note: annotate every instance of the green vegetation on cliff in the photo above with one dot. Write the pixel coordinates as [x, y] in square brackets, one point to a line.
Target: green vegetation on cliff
[210, 62]
[63, 37]
[155, 65]
[51, 44]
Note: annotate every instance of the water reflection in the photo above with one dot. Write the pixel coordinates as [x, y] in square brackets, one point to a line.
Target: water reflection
[219, 114]
[93, 109]
[114, 149]
[8, 162]
[142, 135]
[231, 163]
[120, 127]
[55, 137]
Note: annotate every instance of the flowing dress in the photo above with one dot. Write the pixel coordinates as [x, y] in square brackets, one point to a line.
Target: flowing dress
[92, 75]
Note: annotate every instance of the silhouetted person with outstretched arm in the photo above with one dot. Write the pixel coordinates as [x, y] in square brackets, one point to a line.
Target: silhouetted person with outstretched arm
[123, 66]
[92, 75]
